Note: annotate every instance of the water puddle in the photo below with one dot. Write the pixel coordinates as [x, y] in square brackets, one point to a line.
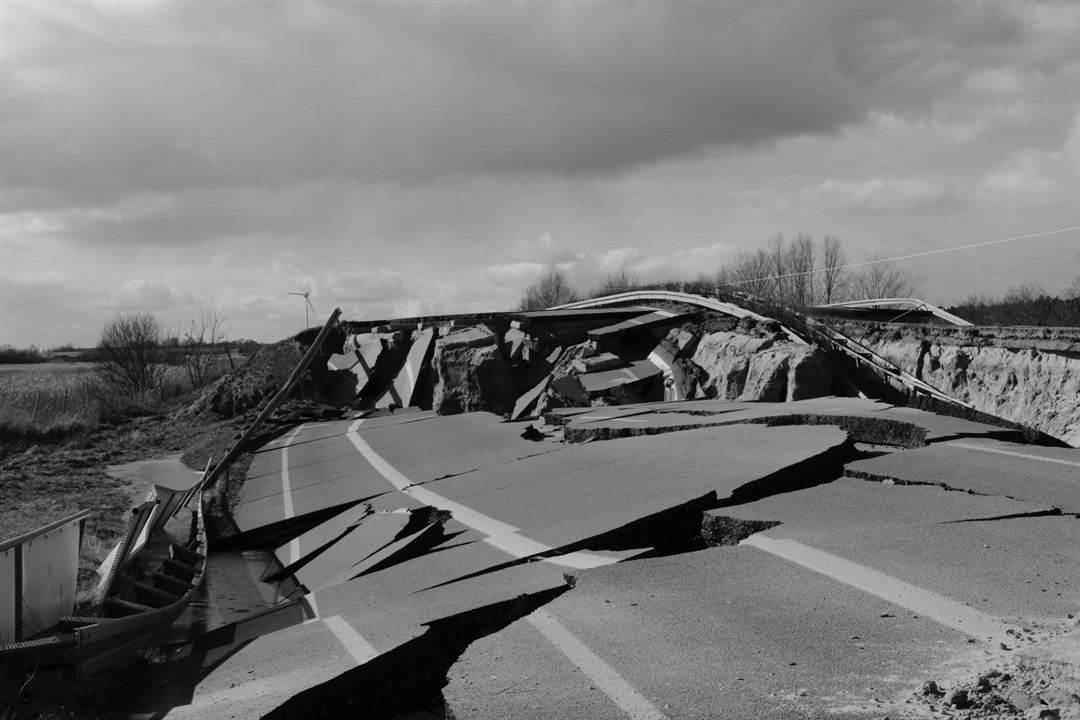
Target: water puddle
[143, 474]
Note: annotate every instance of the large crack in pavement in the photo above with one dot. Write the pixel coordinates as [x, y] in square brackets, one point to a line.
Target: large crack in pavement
[870, 430]
[887, 479]
[690, 526]
[409, 678]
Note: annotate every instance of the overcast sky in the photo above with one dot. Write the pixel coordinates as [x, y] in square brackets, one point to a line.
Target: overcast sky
[412, 158]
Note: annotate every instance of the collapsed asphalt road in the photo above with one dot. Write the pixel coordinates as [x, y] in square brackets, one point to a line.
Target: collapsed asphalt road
[745, 560]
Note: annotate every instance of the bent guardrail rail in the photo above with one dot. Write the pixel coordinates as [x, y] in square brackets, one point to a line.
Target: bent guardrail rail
[132, 618]
[907, 304]
[799, 325]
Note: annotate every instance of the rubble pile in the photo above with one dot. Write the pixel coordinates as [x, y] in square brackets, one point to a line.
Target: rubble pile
[521, 366]
[1011, 692]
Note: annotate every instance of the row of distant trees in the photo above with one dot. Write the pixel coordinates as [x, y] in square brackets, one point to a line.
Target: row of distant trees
[9, 354]
[798, 271]
[1023, 305]
[134, 353]
[801, 272]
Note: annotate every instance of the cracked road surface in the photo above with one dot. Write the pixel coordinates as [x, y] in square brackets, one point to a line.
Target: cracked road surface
[448, 564]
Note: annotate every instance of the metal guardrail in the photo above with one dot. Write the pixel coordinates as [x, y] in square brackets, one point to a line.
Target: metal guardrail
[107, 641]
[909, 304]
[38, 575]
[91, 643]
[701, 301]
[796, 324]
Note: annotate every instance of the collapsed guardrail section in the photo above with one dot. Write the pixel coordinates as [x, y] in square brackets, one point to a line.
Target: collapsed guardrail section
[134, 606]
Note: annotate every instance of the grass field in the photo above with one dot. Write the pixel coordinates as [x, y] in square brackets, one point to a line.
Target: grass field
[52, 400]
[47, 398]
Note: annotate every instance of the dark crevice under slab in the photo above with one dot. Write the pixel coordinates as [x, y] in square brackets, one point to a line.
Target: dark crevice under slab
[685, 527]
[409, 678]
[874, 430]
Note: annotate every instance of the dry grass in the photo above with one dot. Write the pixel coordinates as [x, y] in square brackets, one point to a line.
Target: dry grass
[47, 400]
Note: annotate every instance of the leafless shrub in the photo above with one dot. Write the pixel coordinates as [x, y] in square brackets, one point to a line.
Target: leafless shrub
[549, 290]
[129, 353]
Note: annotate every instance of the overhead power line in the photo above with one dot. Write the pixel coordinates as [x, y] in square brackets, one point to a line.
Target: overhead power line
[878, 261]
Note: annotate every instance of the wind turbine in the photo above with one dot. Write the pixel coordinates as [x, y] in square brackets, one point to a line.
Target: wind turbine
[307, 301]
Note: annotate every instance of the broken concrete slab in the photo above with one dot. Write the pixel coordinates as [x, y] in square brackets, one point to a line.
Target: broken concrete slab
[513, 344]
[367, 537]
[392, 553]
[866, 421]
[303, 547]
[473, 336]
[678, 384]
[412, 385]
[603, 381]
[596, 363]
[528, 400]
[459, 573]
[565, 496]
[382, 355]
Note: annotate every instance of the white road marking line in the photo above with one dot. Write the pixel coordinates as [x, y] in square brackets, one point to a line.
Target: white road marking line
[938, 608]
[359, 648]
[500, 535]
[602, 675]
[286, 491]
[312, 607]
[1026, 456]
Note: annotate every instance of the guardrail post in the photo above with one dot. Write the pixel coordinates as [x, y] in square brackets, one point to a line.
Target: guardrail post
[18, 592]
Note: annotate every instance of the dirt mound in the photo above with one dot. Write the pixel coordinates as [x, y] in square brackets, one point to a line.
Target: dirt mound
[247, 386]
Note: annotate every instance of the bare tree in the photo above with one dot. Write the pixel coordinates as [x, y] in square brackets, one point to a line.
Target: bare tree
[778, 267]
[549, 290]
[883, 280]
[800, 271]
[833, 276]
[129, 353]
[750, 272]
[617, 281]
[205, 331]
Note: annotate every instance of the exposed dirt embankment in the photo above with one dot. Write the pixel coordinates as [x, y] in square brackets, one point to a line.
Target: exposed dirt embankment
[1030, 375]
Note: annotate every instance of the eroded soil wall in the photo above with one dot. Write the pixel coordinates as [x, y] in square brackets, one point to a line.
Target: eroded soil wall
[1029, 375]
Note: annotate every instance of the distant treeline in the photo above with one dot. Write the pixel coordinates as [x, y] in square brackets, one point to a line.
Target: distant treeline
[1027, 305]
[173, 352]
[9, 354]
